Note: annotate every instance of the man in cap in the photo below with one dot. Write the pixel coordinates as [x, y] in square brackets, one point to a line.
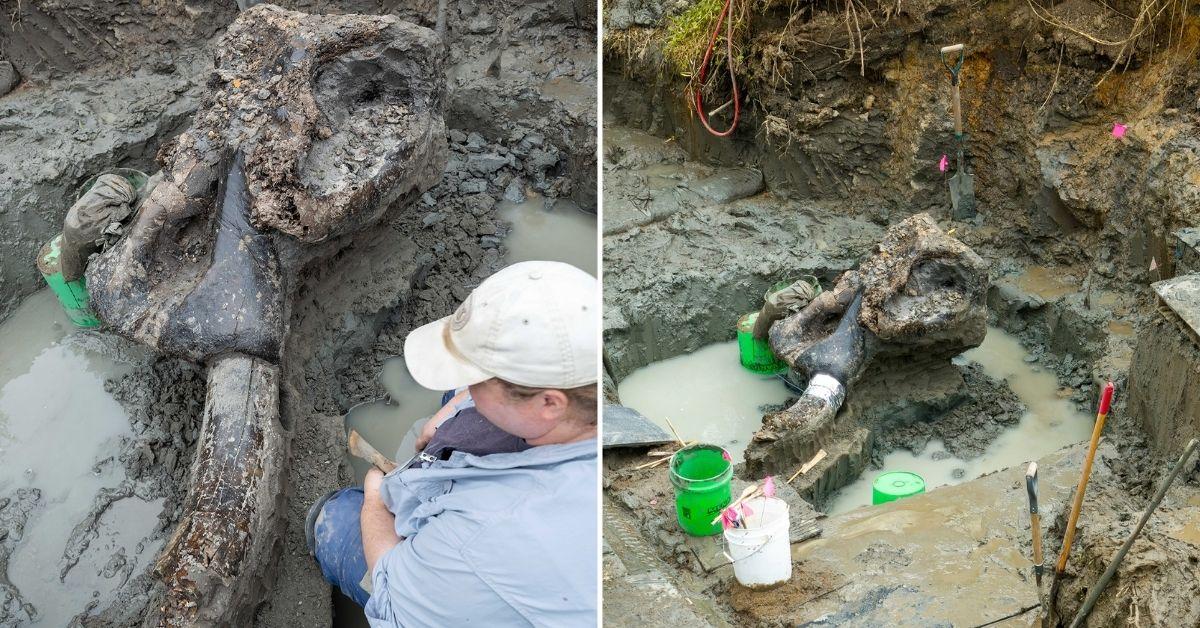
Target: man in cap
[497, 523]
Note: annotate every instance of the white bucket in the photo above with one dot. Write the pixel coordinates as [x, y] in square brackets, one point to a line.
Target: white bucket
[762, 551]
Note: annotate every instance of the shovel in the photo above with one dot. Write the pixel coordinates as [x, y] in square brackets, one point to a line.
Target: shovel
[1035, 522]
[962, 184]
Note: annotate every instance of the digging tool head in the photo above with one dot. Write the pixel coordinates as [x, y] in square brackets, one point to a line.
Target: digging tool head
[1031, 487]
[962, 194]
[626, 427]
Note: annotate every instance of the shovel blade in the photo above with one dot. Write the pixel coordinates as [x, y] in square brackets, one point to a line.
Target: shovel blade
[962, 194]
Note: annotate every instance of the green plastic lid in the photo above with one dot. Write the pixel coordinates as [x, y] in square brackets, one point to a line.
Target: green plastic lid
[894, 485]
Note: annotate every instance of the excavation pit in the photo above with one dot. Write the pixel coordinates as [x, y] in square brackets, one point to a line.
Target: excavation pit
[843, 156]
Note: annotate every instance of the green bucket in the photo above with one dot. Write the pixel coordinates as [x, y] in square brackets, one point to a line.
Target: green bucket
[136, 178]
[73, 295]
[755, 354]
[701, 475]
[895, 485]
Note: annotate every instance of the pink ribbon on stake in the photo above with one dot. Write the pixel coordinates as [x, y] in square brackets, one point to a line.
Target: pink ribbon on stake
[1118, 130]
[769, 486]
[943, 163]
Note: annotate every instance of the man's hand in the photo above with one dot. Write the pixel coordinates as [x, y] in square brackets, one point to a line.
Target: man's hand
[378, 524]
[372, 482]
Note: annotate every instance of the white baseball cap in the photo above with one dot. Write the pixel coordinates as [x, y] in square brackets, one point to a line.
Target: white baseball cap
[533, 323]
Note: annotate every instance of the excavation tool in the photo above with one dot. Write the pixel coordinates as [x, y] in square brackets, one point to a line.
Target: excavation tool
[962, 184]
[1069, 535]
[360, 448]
[1095, 591]
[1035, 522]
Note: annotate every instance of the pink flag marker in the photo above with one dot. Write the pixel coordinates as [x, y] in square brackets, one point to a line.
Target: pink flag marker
[728, 518]
[1118, 130]
[769, 486]
[943, 163]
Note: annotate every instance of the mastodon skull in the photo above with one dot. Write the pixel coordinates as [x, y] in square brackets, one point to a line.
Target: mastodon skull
[918, 290]
[313, 127]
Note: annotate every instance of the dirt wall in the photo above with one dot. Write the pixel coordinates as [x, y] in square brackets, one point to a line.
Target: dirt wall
[1164, 385]
[851, 111]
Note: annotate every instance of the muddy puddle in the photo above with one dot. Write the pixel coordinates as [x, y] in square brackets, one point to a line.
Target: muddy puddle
[1048, 283]
[544, 229]
[707, 396]
[60, 432]
[384, 423]
[1049, 423]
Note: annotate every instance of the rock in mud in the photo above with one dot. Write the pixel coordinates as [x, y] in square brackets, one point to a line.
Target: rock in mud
[8, 77]
[918, 299]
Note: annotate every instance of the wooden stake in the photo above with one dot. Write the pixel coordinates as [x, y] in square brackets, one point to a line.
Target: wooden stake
[1069, 535]
[750, 492]
[665, 456]
[672, 426]
[808, 465]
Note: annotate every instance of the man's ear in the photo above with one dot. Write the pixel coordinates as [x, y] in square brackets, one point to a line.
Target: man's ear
[554, 404]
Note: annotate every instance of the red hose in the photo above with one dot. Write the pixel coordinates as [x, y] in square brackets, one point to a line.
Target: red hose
[737, 103]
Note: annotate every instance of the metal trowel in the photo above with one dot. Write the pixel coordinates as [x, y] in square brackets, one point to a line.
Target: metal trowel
[962, 184]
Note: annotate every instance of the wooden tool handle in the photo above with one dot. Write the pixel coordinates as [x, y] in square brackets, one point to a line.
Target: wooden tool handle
[958, 125]
[952, 48]
[1035, 520]
[1069, 536]
[360, 448]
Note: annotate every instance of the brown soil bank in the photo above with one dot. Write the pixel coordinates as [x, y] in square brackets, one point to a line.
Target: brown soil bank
[846, 112]
[849, 101]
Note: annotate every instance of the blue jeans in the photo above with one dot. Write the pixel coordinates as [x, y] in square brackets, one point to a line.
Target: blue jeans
[338, 539]
[339, 547]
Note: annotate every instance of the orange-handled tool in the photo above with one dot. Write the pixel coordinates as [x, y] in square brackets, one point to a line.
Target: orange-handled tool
[1069, 535]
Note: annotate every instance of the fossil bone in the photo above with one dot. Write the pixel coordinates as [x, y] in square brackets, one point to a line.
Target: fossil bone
[314, 127]
[919, 292]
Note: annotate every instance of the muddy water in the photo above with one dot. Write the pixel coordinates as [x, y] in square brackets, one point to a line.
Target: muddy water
[543, 229]
[384, 423]
[707, 396]
[1048, 283]
[59, 433]
[1049, 423]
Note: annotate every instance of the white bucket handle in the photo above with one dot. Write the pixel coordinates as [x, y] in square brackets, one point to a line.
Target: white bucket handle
[751, 554]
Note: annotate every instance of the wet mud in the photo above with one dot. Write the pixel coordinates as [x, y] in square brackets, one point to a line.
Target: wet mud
[518, 129]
